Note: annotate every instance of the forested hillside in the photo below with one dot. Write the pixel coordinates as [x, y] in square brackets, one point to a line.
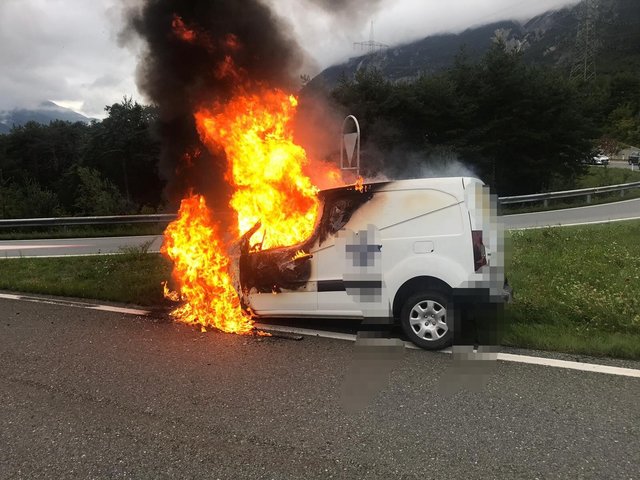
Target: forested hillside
[549, 39]
[507, 112]
[65, 168]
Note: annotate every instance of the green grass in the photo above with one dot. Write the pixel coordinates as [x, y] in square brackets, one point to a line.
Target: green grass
[133, 277]
[601, 176]
[577, 289]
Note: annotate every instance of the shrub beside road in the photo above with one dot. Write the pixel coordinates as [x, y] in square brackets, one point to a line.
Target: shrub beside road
[577, 289]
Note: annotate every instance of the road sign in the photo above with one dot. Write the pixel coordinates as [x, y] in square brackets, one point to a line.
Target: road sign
[350, 145]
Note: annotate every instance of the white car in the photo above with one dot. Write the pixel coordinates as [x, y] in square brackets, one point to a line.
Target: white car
[410, 251]
[600, 159]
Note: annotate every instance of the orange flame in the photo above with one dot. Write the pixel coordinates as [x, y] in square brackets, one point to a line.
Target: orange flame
[201, 267]
[266, 170]
[264, 165]
[181, 30]
[300, 254]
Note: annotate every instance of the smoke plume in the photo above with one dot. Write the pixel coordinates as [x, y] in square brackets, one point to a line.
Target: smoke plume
[187, 46]
[348, 7]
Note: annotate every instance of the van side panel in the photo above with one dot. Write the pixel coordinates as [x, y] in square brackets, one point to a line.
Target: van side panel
[423, 232]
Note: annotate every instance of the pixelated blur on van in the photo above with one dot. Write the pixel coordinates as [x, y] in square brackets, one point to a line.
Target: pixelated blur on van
[424, 253]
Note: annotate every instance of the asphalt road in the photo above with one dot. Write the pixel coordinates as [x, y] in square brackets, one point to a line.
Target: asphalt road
[92, 246]
[90, 394]
[622, 164]
[626, 209]
[77, 246]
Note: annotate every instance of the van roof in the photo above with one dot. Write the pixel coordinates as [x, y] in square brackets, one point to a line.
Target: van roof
[448, 184]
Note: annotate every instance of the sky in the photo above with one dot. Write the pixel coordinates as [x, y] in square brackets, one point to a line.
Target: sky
[67, 51]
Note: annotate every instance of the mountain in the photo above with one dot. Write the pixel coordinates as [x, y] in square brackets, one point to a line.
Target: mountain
[548, 39]
[45, 113]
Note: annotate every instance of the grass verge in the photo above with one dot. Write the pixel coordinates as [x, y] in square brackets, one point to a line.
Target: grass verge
[577, 289]
[132, 277]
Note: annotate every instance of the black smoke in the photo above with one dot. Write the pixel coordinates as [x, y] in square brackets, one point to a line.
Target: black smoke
[180, 73]
[186, 44]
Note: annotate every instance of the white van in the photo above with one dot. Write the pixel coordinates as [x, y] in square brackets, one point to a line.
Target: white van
[408, 251]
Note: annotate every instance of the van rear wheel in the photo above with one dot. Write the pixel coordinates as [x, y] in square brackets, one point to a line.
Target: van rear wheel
[426, 319]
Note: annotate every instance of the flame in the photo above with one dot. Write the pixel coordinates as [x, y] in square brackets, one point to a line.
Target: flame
[300, 254]
[201, 266]
[359, 185]
[266, 169]
[265, 166]
[182, 31]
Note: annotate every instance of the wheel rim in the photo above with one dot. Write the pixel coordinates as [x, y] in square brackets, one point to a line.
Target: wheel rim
[428, 320]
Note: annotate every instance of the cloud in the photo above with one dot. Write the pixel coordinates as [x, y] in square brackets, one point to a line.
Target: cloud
[63, 50]
[330, 34]
[69, 50]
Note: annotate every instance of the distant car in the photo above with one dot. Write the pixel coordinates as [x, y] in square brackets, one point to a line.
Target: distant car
[634, 158]
[600, 159]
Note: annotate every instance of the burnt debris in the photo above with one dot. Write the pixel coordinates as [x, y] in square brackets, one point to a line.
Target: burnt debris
[285, 268]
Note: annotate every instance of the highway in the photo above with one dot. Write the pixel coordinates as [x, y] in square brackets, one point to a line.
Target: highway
[97, 394]
[77, 246]
[628, 209]
[623, 164]
[607, 212]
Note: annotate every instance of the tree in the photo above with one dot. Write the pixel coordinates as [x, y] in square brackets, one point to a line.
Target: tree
[124, 148]
[96, 196]
[528, 125]
[518, 126]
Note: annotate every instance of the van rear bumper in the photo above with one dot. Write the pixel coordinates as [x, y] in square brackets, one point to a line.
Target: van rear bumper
[482, 295]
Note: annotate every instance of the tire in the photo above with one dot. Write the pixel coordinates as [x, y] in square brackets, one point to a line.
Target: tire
[427, 318]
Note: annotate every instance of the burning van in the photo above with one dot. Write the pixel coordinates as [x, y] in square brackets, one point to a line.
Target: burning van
[418, 252]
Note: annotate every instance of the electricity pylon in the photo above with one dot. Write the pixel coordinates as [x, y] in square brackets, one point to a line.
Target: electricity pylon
[584, 58]
[371, 46]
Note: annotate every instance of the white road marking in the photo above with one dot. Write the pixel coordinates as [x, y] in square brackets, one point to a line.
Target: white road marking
[109, 308]
[70, 303]
[585, 367]
[9, 296]
[506, 357]
[34, 247]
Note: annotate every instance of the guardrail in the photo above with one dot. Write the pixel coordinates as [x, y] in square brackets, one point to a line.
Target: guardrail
[168, 217]
[588, 192]
[105, 220]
